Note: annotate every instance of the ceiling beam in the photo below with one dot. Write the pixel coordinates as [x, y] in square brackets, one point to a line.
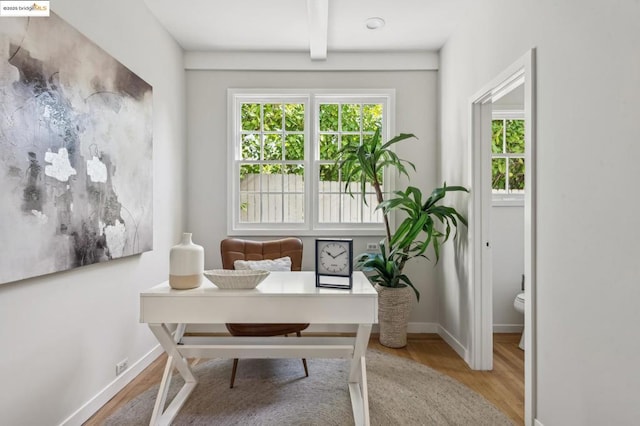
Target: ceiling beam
[318, 17]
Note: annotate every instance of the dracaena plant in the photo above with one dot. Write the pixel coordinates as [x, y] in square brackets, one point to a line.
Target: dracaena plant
[426, 222]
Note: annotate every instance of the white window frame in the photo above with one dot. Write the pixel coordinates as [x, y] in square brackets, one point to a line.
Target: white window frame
[311, 98]
[502, 199]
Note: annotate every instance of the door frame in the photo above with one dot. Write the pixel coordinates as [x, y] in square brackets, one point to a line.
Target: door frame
[481, 328]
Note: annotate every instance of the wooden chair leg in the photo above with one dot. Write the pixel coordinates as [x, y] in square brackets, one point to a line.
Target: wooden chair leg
[304, 360]
[233, 372]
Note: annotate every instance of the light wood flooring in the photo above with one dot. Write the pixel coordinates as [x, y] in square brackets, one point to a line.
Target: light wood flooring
[504, 386]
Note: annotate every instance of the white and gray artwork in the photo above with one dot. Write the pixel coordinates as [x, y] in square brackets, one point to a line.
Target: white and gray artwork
[75, 152]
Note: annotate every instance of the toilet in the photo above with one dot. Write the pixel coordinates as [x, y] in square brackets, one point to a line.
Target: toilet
[518, 303]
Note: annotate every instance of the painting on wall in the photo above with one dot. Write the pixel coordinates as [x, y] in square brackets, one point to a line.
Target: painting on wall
[75, 152]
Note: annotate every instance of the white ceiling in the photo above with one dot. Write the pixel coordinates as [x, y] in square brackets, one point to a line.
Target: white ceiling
[282, 25]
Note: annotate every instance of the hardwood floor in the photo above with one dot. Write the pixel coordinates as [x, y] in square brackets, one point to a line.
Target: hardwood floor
[504, 386]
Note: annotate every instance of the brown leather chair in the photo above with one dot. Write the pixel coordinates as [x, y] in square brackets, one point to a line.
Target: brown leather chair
[232, 249]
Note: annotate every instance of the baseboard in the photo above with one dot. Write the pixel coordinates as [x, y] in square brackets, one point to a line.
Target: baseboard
[423, 327]
[508, 328]
[83, 413]
[537, 422]
[413, 327]
[453, 342]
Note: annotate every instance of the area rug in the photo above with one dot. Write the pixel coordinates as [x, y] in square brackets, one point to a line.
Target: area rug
[276, 392]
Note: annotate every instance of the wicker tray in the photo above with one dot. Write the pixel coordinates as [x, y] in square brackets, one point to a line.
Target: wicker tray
[231, 279]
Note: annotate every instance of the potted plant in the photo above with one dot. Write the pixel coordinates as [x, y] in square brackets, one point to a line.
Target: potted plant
[425, 223]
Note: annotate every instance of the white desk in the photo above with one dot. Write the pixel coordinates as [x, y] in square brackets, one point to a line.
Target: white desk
[283, 297]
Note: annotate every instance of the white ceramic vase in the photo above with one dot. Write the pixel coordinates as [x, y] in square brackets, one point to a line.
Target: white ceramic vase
[186, 264]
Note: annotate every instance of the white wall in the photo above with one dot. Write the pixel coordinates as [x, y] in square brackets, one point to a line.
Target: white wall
[507, 249]
[62, 334]
[416, 100]
[588, 92]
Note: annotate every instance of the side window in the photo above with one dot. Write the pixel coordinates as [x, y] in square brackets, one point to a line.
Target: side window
[507, 158]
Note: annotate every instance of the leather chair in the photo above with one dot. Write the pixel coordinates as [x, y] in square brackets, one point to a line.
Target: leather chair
[232, 249]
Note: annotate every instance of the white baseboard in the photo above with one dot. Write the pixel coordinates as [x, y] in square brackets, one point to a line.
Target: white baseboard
[453, 342]
[423, 327]
[537, 422]
[508, 328]
[413, 327]
[83, 413]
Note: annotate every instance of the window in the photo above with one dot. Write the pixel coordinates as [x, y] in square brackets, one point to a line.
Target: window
[507, 157]
[283, 146]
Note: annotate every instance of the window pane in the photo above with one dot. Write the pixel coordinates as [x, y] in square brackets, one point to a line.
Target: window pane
[272, 117]
[273, 147]
[294, 117]
[328, 147]
[371, 117]
[328, 117]
[271, 208]
[329, 173]
[250, 116]
[269, 170]
[251, 147]
[370, 214]
[249, 207]
[350, 140]
[516, 174]
[499, 174]
[271, 178]
[515, 136]
[351, 208]
[246, 171]
[294, 147]
[328, 207]
[294, 208]
[350, 117]
[294, 178]
[294, 169]
[497, 129]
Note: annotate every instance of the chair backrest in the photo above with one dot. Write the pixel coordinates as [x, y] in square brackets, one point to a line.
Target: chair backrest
[232, 249]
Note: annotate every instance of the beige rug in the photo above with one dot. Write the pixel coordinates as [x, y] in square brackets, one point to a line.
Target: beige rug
[275, 392]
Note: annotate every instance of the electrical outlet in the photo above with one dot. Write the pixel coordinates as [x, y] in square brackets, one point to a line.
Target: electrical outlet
[373, 247]
[121, 366]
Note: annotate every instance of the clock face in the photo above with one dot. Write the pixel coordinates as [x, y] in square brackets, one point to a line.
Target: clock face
[334, 258]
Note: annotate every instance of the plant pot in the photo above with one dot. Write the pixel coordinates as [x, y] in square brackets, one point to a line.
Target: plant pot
[394, 306]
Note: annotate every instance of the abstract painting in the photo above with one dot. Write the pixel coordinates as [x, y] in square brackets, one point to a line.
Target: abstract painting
[76, 167]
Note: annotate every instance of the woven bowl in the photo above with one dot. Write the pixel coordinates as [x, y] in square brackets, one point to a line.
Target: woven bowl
[231, 279]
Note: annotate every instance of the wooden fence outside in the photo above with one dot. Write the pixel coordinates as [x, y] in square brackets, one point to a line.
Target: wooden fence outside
[278, 198]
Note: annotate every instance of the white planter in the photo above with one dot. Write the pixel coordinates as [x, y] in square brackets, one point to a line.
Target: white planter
[186, 264]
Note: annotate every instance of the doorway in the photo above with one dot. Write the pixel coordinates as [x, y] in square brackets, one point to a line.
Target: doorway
[521, 74]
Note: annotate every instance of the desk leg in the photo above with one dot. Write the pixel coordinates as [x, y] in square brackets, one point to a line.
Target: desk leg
[175, 359]
[180, 329]
[358, 377]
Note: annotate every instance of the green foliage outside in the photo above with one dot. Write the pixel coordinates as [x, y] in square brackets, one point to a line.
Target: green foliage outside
[507, 138]
[287, 144]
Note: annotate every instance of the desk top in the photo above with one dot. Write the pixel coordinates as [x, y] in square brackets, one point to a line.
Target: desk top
[283, 297]
[278, 283]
